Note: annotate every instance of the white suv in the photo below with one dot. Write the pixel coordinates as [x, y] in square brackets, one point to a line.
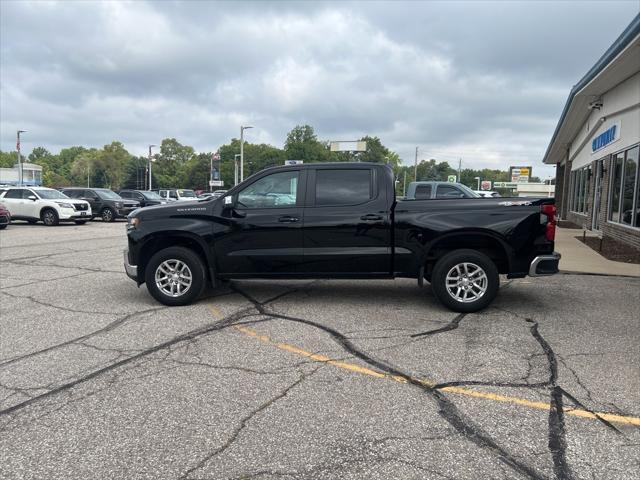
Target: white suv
[39, 203]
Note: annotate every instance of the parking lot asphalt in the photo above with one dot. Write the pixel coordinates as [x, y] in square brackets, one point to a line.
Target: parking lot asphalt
[306, 379]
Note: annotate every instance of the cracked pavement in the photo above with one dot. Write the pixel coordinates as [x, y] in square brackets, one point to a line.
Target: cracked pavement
[306, 379]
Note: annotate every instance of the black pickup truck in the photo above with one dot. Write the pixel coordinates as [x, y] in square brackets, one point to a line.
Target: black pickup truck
[340, 220]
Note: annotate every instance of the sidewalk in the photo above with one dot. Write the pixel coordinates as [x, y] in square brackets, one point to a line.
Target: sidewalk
[577, 257]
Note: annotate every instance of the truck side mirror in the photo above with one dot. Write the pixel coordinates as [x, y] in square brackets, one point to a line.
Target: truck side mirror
[32, 197]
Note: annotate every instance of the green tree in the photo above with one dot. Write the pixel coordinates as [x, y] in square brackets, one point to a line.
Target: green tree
[303, 144]
[8, 159]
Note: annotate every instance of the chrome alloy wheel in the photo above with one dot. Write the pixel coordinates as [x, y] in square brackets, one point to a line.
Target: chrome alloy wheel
[49, 218]
[467, 282]
[173, 278]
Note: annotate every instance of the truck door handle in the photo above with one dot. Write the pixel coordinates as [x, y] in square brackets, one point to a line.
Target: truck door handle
[370, 217]
[288, 219]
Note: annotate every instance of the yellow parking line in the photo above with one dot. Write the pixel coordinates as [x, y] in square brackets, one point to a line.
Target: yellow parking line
[455, 390]
[217, 314]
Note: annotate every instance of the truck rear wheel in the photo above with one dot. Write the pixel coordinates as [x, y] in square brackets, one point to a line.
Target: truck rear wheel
[465, 280]
[175, 276]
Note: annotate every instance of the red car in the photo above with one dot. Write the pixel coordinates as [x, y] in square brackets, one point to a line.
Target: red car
[5, 217]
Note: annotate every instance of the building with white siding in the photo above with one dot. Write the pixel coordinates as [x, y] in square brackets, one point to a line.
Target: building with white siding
[596, 145]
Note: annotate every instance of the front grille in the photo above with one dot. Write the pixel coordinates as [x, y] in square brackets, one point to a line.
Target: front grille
[130, 205]
[80, 206]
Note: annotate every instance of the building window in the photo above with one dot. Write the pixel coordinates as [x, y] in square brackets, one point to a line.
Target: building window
[580, 186]
[625, 188]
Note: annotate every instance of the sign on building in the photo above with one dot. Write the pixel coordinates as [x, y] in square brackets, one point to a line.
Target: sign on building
[610, 135]
[520, 174]
[505, 185]
[485, 185]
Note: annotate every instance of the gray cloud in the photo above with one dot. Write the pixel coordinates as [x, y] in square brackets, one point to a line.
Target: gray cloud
[483, 81]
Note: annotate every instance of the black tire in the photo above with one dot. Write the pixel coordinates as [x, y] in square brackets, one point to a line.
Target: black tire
[449, 262]
[80, 222]
[108, 215]
[50, 217]
[194, 264]
[2, 227]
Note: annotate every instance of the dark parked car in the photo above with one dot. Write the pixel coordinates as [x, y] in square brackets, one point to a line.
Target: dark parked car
[105, 203]
[340, 220]
[145, 198]
[5, 217]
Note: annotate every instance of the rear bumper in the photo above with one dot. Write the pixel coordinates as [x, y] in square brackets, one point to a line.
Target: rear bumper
[132, 270]
[544, 265]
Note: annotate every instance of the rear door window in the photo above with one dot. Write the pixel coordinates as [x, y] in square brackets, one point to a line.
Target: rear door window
[15, 193]
[423, 192]
[343, 186]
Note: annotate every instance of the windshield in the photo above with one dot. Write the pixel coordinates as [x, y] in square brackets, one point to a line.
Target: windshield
[50, 194]
[187, 193]
[151, 195]
[108, 195]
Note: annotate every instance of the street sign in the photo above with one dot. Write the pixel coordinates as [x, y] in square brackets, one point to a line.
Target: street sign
[293, 162]
[505, 184]
[215, 156]
[485, 185]
[216, 183]
[452, 179]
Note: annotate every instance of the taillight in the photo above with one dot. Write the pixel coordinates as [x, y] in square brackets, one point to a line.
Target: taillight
[549, 211]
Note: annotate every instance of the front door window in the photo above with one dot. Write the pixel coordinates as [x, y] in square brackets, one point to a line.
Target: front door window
[273, 191]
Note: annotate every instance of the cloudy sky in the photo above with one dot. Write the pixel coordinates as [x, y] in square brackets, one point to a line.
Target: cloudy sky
[478, 80]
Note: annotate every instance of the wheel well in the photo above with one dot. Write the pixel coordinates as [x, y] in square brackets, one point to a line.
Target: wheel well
[490, 246]
[155, 245]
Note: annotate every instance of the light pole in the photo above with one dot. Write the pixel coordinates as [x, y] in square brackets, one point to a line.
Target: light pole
[149, 163]
[19, 158]
[235, 168]
[478, 179]
[415, 167]
[242, 129]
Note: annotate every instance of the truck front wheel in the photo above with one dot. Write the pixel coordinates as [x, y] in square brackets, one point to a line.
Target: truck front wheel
[465, 280]
[175, 276]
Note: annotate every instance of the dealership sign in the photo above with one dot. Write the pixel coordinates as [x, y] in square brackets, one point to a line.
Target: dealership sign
[485, 185]
[610, 135]
[520, 174]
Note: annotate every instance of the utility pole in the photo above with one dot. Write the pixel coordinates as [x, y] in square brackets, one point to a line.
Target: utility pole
[19, 158]
[88, 173]
[235, 169]
[459, 168]
[404, 185]
[242, 129]
[415, 168]
[149, 163]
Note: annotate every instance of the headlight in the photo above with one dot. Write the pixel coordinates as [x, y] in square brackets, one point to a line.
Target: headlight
[118, 205]
[133, 222]
[65, 205]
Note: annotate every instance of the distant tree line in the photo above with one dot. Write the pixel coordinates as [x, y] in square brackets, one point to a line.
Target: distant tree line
[180, 166]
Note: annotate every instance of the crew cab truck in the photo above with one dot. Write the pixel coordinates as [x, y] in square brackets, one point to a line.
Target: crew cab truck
[340, 220]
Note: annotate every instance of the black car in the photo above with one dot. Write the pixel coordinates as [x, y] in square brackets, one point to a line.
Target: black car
[340, 220]
[145, 198]
[105, 203]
